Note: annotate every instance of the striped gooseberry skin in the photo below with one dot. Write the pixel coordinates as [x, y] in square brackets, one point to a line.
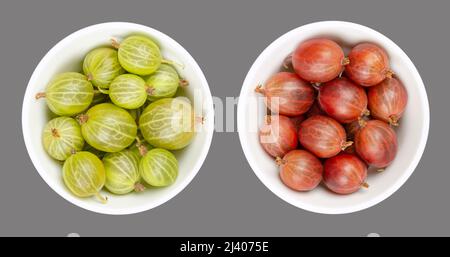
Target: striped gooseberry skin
[376, 143]
[345, 174]
[101, 66]
[287, 94]
[84, 175]
[163, 83]
[128, 91]
[369, 64]
[139, 55]
[300, 170]
[318, 60]
[278, 135]
[168, 123]
[62, 136]
[159, 168]
[122, 172]
[69, 93]
[343, 100]
[108, 128]
[323, 136]
[387, 100]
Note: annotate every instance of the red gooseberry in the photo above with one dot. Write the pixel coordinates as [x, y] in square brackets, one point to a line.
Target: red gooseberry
[323, 136]
[387, 100]
[287, 94]
[278, 135]
[368, 64]
[300, 170]
[345, 174]
[343, 100]
[376, 143]
[318, 60]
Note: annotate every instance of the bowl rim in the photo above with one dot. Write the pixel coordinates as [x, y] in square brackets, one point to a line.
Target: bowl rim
[208, 127]
[261, 59]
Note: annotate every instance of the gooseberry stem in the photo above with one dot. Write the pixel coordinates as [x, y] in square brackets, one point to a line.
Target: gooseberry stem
[389, 74]
[102, 199]
[362, 122]
[90, 77]
[138, 187]
[55, 133]
[115, 44]
[280, 161]
[346, 144]
[149, 90]
[380, 170]
[393, 121]
[287, 63]
[345, 61]
[173, 63]
[259, 89]
[365, 185]
[141, 147]
[82, 118]
[40, 95]
[366, 112]
[103, 91]
[316, 85]
[184, 83]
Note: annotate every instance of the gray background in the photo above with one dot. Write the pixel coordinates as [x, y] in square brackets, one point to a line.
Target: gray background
[226, 198]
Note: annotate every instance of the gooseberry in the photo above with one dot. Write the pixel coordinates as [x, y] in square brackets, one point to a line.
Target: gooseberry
[376, 143]
[345, 174]
[287, 94]
[278, 135]
[84, 175]
[164, 83]
[343, 100]
[128, 91]
[108, 128]
[168, 123]
[139, 55]
[300, 170]
[159, 167]
[101, 66]
[61, 137]
[369, 64]
[122, 172]
[318, 60]
[323, 136]
[387, 100]
[68, 94]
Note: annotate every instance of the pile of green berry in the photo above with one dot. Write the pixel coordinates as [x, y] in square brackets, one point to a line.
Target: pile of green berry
[118, 120]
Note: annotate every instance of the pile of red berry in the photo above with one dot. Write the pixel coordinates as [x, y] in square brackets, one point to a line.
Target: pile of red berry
[331, 116]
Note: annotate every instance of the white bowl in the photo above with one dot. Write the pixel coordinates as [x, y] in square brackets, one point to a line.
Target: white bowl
[412, 134]
[67, 55]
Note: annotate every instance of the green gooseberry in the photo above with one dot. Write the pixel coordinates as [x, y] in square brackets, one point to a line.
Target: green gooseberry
[122, 172]
[159, 167]
[128, 91]
[164, 83]
[139, 55]
[108, 128]
[68, 94]
[168, 123]
[101, 66]
[62, 136]
[84, 175]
